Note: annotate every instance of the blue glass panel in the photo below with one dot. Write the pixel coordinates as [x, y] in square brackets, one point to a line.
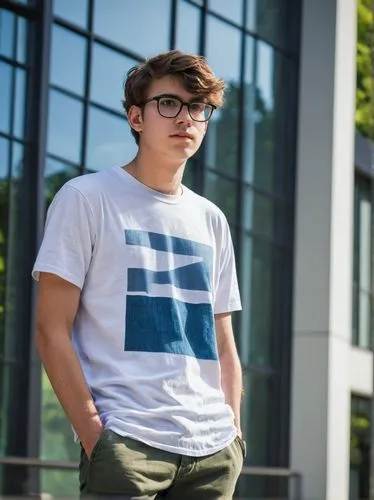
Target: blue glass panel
[231, 10]
[188, 28]
[223, 129]
[21, 39]
[222, 192]
[64, 126]
[5, 96]
[74, 11]
[142, 27]
[7, 25]
[4, 158]
[68, 59]
[109, 70]
[19, 108]
[109, 141]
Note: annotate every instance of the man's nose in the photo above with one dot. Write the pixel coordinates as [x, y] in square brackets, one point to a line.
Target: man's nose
[184, 114]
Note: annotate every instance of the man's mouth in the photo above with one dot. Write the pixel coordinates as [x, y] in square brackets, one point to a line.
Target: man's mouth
[182, 134]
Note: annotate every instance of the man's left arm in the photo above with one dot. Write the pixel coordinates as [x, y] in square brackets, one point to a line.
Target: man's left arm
[231, 372]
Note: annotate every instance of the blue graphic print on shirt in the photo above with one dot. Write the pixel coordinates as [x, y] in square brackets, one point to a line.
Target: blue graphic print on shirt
[165, 323]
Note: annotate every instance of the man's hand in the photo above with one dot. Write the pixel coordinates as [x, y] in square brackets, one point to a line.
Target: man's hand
[89, 441]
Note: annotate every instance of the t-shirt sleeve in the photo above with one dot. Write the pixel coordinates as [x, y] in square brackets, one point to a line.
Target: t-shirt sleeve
[69, 238]
[227, 296]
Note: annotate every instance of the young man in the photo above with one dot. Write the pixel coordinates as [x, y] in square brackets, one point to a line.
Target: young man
[137, 283]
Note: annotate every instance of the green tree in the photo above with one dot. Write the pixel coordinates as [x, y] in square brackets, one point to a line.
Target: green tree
[365, 73]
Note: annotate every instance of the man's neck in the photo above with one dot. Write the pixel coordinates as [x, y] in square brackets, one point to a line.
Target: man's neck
[156, 174]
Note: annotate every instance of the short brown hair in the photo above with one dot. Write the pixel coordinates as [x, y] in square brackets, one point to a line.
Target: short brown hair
[193, 70]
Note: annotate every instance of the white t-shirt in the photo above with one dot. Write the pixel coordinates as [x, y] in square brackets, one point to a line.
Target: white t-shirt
[153, 270]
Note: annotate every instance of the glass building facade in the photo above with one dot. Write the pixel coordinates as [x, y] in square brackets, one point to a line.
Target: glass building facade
[62, 68]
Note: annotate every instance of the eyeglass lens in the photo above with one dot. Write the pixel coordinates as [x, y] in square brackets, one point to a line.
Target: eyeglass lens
[169, 107]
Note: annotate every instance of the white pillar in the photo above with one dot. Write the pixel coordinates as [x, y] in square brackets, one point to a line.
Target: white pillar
[320, 406]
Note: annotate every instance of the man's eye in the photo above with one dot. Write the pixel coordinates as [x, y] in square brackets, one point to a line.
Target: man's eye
[169, 103]
[197, 107]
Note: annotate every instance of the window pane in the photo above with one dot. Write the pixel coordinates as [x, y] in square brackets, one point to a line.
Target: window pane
[19, 108]
[263, 175]
[4, 145]
[109, 141]
[188, 28]
[57, 443]
[68, 59]
[223, 130]
[108, 75]
[74, 11]
[360, 448]
[65, 126]
[223, 193]
[142, 27]
[5, 96]
[268, 19]
[362, 268]
[230, 10]
[256, 285]
[249, 109]
[21, 40]
[255, 411]
[258, 213]
[7, 22]
[56, 174]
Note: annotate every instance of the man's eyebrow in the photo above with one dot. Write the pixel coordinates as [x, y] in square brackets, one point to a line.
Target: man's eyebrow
[193, 99]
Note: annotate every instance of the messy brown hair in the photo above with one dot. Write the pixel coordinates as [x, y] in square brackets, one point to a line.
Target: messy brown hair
[193, 71]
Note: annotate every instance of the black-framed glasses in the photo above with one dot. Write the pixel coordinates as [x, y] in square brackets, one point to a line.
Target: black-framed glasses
[169, 106]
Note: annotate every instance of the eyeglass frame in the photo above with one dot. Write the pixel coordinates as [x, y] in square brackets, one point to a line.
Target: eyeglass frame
[182, 103]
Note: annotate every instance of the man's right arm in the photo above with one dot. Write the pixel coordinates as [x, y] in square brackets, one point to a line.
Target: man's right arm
[57, 305]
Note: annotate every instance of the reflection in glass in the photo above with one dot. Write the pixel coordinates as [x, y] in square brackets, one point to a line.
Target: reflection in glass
[188, 28]
[68, 59]
[230, 10]
[19, 108]
[258, 213]
[64, 126]
[56, 174]
[360, 444]
[223, 130]
[7, 22]
[21, 40]
[109, 70]
[4, 158]
[249, 91]
[256, 284]
[255, 407]
[74, 11]
[222, 192]
[267, 18]
[144, 28]
[109, 141]
[263, 175]
[57, 443]
[362, 268]
[5, 96]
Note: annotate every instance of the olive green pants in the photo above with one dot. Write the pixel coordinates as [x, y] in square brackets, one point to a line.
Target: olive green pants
[121, 467]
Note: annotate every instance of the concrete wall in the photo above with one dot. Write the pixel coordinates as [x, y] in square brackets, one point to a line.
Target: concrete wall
[320, 416]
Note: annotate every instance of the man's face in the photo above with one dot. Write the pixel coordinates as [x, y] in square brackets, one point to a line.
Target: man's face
[175, 138]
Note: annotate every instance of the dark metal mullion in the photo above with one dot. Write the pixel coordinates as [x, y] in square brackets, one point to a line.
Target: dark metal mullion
[13, 62]
[173, 24]
[87, 89]
[294, 12]
[23, 10]
[241, 141]
[199, 177]
[38, 121]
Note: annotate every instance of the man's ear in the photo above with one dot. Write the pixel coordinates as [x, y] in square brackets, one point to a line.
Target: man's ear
[135, 118]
